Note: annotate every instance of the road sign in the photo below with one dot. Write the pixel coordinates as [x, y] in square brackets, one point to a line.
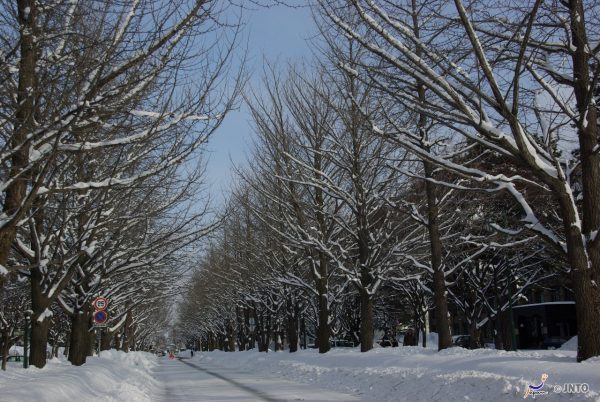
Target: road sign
[100, 303]
[100, 317]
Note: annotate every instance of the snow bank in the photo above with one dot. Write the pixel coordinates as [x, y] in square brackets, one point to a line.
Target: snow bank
[417, 374]
[571, 344]
[432, 340]
[15, 351]
[186, 354]
[114, 376]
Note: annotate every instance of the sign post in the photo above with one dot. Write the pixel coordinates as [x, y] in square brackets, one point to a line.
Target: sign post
[100, 318]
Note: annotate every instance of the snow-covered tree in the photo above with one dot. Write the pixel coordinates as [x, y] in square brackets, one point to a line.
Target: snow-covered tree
[522, 87]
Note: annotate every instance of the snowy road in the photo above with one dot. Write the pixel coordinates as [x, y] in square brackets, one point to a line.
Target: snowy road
[194, 381]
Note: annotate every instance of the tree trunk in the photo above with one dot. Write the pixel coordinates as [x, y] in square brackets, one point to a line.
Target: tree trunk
[80, 326]
[425, 326]
[366, 321]
[39, 329]
[498, 318]
[105, 340]
[442, 319]
[587, 306]
[242, 332]
[303, 331]
[292, 335]
[211, 342]
[126, 333]
[323, 329]
[366, 278]
[279, 337]
[584, 279]
[585, 274]
[16, 191]
[249, 334]
[506, 331]
[231, 338]
[132, 339]
[417, 325]
[260, 332]
[474, 334]
[292, 329]
[223, 342]
[267, 333]
[409, 338]
[67, 347]
[498, 344]
[5, 347]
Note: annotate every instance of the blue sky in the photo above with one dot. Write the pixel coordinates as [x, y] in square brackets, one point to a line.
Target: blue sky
[278, 34]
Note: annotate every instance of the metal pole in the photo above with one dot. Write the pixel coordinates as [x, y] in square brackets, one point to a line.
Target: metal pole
[26, 340]
[98, 339]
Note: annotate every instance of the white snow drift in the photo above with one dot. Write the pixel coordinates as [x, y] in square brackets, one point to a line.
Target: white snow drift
[114, 376]
[417, 374]
[381, 375]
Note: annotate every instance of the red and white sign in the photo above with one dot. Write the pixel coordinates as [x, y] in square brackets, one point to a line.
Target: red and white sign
[100, 303]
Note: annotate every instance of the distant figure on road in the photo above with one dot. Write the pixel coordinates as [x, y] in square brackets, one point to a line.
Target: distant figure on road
[192, 352]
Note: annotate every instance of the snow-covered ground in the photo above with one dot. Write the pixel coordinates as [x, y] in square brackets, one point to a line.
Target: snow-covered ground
[114, 376]
[201, 381]
[383, 374]
[417, 374]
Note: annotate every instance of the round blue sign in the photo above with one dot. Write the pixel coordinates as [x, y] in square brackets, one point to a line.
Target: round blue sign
[100, 317]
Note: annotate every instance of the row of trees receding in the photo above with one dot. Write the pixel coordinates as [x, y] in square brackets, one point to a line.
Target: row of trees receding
[104, 110]
[438, 152]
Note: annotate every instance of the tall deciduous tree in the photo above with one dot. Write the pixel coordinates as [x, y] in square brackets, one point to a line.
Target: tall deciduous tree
[515, 100]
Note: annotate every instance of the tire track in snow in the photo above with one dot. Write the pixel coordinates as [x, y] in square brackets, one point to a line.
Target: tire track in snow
[264, 396]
